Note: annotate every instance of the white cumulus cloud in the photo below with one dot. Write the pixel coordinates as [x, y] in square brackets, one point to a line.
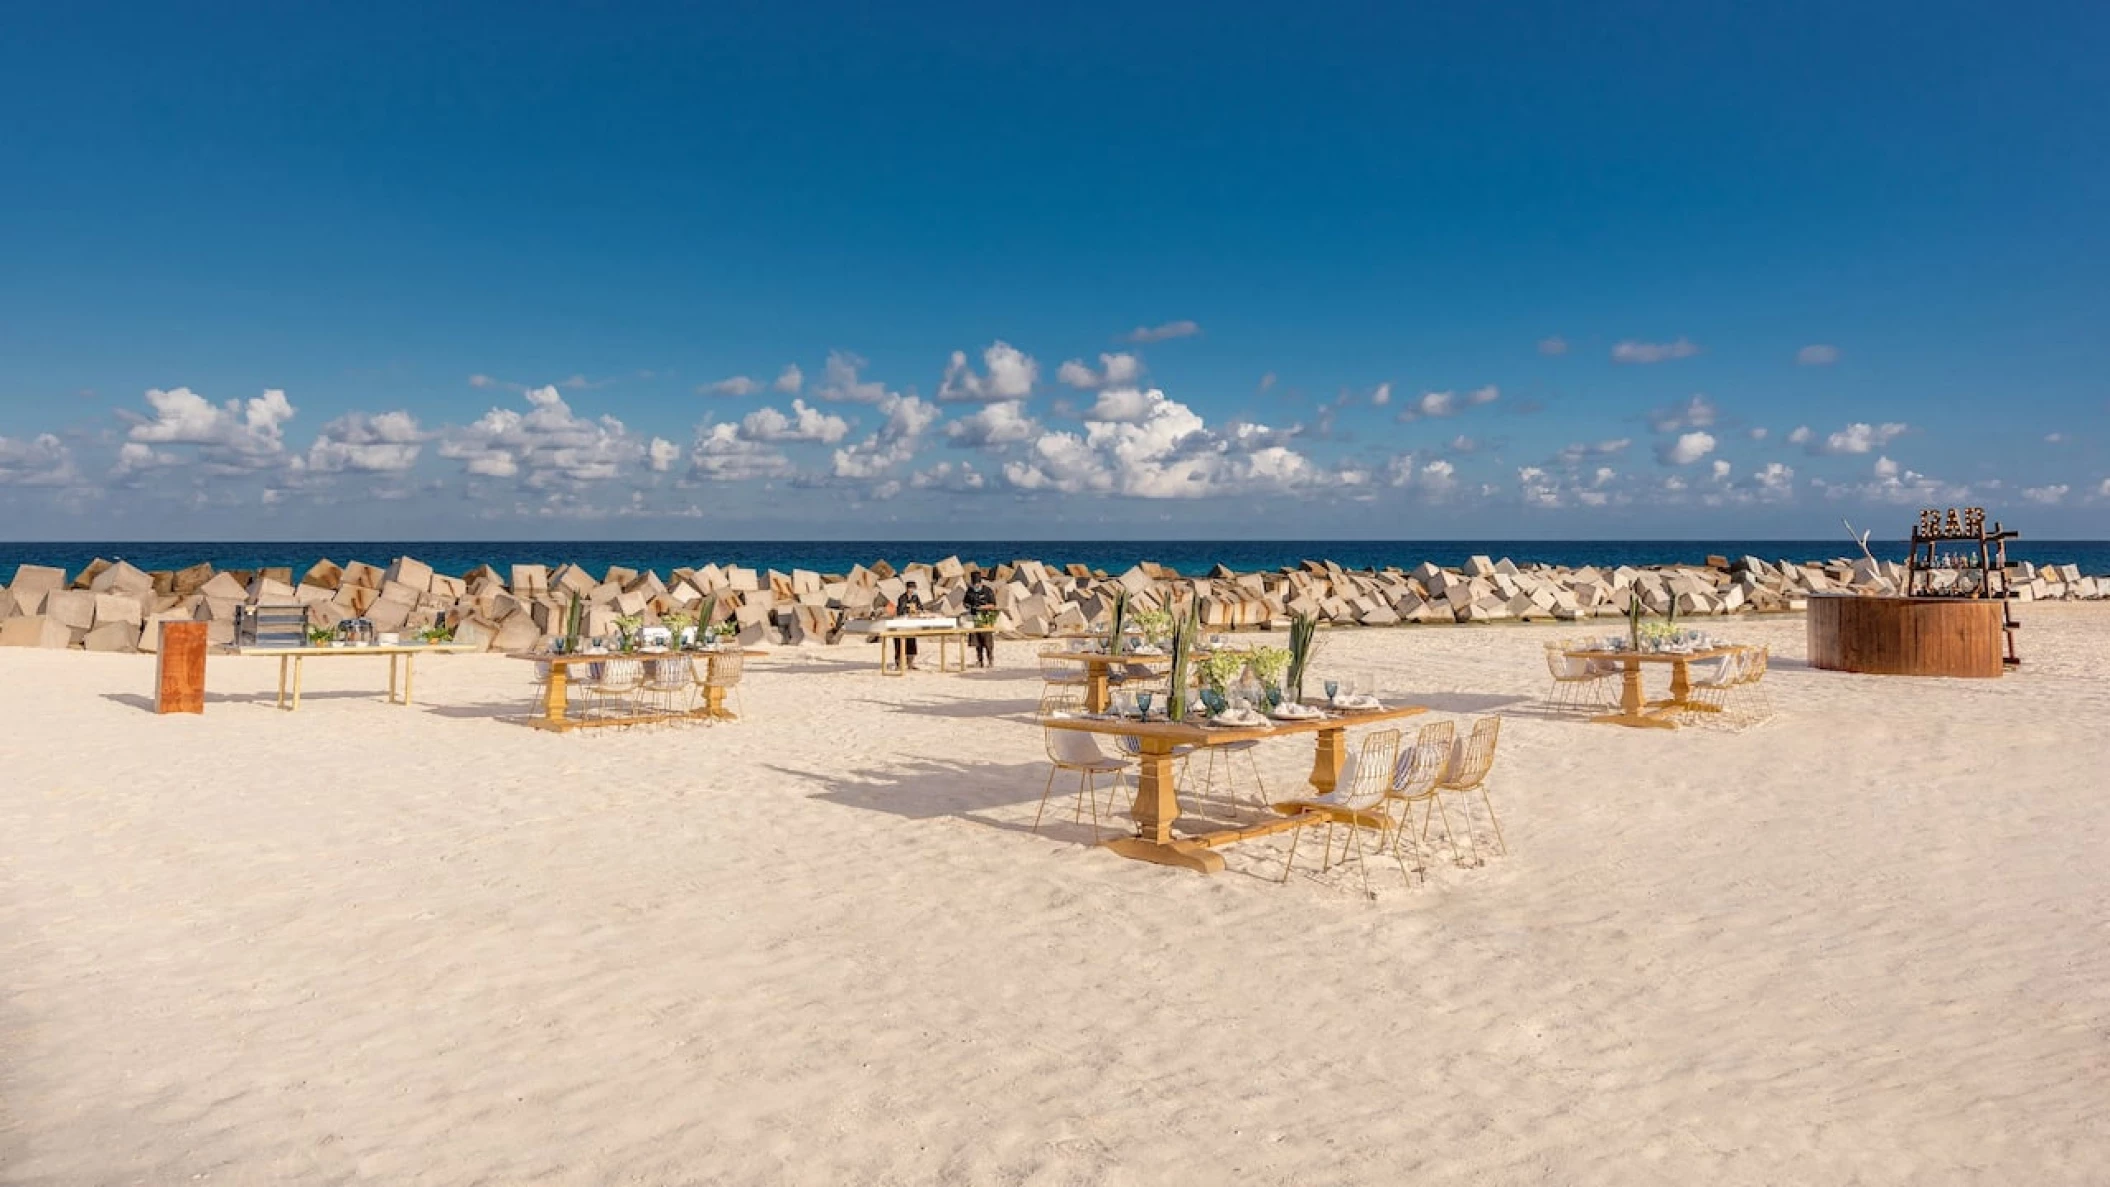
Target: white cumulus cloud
[1686, 449]
[1818, 355]
[804, 423]
[1859, 437]
[385, 443]
[1011, 374]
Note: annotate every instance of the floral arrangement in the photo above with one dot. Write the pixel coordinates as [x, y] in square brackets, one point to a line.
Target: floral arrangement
[1270, 665]
[626, 628]
[721, 630]
[1154, 625]
[320, 636]
[438, 632]
[1220, 669]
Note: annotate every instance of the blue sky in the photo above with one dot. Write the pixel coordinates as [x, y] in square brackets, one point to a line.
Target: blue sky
[1523, 271]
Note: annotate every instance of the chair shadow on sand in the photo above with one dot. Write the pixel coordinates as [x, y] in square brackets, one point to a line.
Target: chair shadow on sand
[936, 789]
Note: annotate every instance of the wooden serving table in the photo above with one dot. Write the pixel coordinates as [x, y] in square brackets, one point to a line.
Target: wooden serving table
[943, 634]
[1634, 709]
[556, 698]
[403, 654]
[1157, 805]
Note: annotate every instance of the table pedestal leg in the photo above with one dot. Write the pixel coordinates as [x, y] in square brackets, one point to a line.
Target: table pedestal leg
[714, 701]
[392, 658]
[1156, 808]
[410, 673]
[1095, 695]
[1331, 753]
[1632, 710]
[554, 701]
[283, 662]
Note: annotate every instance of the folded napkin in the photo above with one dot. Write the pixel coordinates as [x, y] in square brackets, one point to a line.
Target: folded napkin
[1147, 651]
[1241, 717]
[1359, 701]
[1292, 711]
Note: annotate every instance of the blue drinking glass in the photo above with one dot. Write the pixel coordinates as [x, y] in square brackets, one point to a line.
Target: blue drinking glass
[1143, 704]
[1333, 689]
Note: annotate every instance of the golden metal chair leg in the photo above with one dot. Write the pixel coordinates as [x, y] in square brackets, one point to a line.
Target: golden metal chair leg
[1045, 792]
[1494, 820]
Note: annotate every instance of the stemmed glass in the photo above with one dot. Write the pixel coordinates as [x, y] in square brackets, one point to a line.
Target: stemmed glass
[1143, 704]
[1333, 689]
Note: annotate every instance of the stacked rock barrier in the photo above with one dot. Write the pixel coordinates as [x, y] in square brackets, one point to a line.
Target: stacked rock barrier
[113, 606]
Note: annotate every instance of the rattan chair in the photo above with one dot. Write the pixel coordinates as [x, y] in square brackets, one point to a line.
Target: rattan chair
[1711, 686]
[1577, 683]
[1419, 769]
[614, 684]
[669, 685]
[1359, 800]
[1062, 682]
[538, 689]
[1472, 758]
[723, 671]
[1073, 750]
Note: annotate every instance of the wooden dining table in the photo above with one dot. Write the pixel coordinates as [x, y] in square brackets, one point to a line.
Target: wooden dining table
[403, 654]
[556, 697]
[1635, 709]
[1157, 806]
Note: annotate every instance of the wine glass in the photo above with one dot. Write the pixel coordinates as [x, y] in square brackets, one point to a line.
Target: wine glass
[1143, 704]
[1333, 689]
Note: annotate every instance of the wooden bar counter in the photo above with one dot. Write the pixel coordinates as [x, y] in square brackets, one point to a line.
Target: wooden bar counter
[1906, 636]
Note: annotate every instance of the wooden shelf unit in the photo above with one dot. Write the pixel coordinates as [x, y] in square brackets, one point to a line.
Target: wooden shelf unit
[1935, 529]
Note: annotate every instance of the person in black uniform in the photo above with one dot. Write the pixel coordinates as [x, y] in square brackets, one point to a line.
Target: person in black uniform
[981, 597]
[910, 602]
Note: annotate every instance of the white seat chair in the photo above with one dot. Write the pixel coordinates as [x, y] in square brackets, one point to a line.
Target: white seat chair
[614, 684]
[1710, 686]
[1358, 800]
[668, 685]
[538, 689]
[1577, 683]
[723, 672]
[1074, 750]
[1062, 682]
[1472, 759]
[1415, 777]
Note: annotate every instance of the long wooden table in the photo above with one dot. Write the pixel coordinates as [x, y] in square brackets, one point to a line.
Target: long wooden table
[405, 654]
[943, 634]
[556, 696]
[1634, 708]
[1157, 805]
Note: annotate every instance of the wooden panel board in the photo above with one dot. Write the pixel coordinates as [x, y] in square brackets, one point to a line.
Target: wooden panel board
[179, 670]
[1906, 636]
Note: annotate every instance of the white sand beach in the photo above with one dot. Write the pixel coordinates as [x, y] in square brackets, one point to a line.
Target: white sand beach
[1868, 942]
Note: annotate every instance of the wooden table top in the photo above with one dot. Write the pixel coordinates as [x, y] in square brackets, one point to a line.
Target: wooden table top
[1659, 657]
[920, 632]
[1181, 733]
[362, 649]
[587, 657]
